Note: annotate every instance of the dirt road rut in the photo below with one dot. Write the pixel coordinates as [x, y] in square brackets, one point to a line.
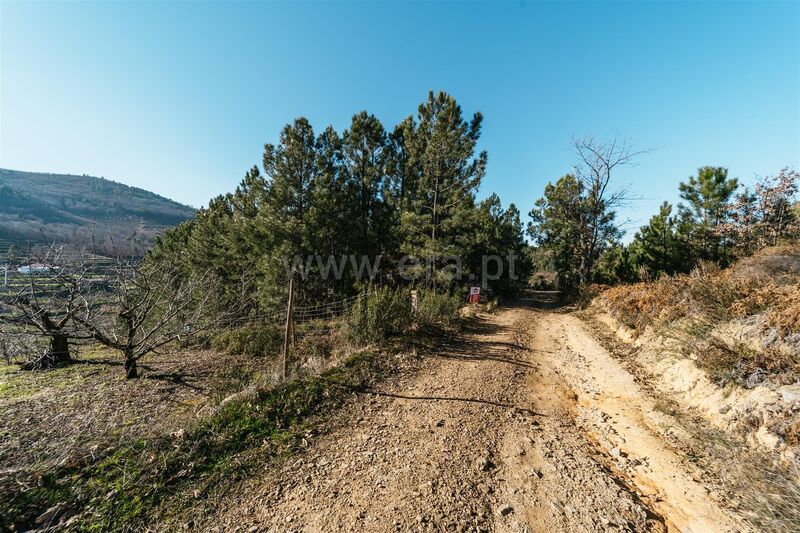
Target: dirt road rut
[528, 425]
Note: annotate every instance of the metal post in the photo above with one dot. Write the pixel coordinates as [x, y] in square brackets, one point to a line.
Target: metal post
[288, 331]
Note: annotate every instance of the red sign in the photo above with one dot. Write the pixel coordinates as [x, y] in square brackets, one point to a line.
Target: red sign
[474, 295]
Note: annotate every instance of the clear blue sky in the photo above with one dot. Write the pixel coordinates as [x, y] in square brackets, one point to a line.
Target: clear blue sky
[179, 98]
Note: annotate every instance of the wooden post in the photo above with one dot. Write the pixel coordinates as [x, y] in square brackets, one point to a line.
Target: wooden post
[288, 331]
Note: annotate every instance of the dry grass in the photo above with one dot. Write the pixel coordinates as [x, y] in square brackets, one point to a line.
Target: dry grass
[710, 295]
[785, 313]
[65, 415]
[767, 284]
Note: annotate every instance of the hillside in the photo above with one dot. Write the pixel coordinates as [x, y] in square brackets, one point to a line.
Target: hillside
[45, 207]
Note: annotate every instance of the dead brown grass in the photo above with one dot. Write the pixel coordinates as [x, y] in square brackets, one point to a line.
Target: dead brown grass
[785, 313]
[709, 295]
[767, 284]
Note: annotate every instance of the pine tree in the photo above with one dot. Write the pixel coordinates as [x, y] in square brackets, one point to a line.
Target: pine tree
[441, 156]
[365, 192]
[558, 227]
[707, 208]
[498, 232]
[365, 166]
[291, 167]
[654, 245]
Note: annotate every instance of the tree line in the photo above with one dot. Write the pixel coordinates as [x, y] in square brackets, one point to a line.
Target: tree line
[574, 223]
[366, 192]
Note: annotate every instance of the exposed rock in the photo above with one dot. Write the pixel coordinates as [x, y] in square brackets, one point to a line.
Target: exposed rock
[505, 509]
[790, 393]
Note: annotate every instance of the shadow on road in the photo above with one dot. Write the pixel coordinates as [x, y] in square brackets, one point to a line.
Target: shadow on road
[540, 300]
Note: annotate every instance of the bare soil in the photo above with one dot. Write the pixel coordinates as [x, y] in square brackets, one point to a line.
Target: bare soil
[528, 424]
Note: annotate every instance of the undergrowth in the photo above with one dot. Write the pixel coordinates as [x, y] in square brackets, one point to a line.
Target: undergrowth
[708, 297]
[388, 312]
[255, 340]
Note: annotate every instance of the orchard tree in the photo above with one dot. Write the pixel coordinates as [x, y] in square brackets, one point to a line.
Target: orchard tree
[55, 282]
[151, 306]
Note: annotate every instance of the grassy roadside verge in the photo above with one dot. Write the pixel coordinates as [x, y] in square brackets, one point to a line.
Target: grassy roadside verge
[152, 479]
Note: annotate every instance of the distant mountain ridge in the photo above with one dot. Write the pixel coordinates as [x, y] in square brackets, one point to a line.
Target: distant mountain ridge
[36, 206]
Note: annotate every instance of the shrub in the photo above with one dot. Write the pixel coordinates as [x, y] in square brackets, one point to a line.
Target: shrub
[387, 312]
[706, 294]
[253, 340]
[785, 313]
[439, 310]
[641, 304]
[383, 313]
[316, 343]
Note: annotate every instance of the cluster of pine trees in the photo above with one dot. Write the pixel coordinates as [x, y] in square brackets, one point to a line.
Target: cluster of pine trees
[716, 221]
[365, 192]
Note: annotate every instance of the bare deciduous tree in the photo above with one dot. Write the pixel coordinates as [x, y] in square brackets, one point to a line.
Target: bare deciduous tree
[150, 306]
[64, 296]
[597, 163]
[49, 291]
[765, 216]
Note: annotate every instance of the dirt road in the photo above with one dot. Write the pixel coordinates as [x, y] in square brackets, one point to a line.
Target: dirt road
[529, 425]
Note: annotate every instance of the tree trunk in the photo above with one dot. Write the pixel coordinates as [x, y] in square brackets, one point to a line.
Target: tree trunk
[59, 349]
[56, 354]
[131, 371]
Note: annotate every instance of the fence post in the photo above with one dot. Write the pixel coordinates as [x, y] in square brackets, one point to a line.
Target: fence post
[287, 333]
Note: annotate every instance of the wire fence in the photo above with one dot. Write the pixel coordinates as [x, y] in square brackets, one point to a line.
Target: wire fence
[300, 315]
[293, 322]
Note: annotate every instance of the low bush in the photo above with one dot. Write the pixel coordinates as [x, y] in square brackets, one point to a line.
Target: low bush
[785, 313]
[253, 340]
[387, 312]
[708, 297]
[741, 364]
[641, 304]
[711, 295]
[316, 344]
[381, 314]
[439, 309]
